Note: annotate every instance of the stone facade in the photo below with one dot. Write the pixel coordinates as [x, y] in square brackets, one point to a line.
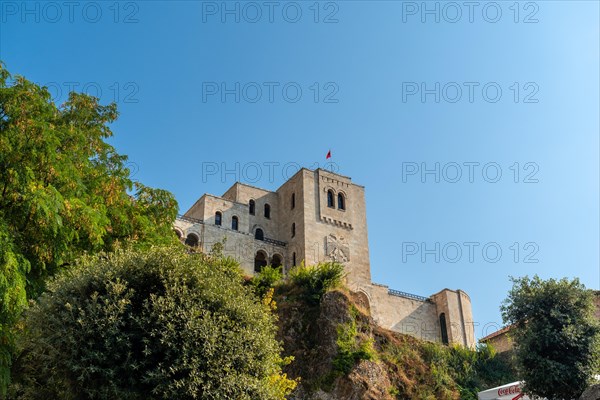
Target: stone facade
[319, 216]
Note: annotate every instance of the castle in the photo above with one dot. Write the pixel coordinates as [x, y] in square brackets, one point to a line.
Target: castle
[320, 216]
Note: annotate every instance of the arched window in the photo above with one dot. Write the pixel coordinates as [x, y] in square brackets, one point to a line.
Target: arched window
[294, 259]
[293, 229]
[260, 261]
[443, 328]
[178, 233]
[251, 207]
[330, 199]
[218, 218]
[267, 211]
[259, 234]
[191, 240]
[276, 260]
[234, 223]
[293, 200]
[341, 202]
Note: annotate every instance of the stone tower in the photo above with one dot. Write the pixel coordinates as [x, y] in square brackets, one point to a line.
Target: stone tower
[331, 224]
[319, 216]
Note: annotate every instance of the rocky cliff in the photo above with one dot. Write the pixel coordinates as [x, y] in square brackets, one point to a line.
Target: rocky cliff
[339, 353]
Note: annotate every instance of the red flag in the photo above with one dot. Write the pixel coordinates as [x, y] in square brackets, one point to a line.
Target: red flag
[328, 155]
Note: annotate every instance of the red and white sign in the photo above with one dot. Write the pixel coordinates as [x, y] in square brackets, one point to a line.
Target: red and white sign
[505, 391]
[511, 391]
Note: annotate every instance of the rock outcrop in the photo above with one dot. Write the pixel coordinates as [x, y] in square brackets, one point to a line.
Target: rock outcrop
[311, 337]
[591, 393]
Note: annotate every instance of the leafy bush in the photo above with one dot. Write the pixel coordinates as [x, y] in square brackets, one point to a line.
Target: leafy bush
[351, 348]
[161, 324]
[426, 370]
[471, 371]
[317, 280]
[266, 279]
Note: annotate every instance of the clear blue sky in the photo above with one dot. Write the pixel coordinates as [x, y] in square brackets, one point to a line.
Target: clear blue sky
[164, 63]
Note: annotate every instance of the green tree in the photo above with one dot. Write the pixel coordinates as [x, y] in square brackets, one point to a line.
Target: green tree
[64, 191]
[555, 333]
[150, 324]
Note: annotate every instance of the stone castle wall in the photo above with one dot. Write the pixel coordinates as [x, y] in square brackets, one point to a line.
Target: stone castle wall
[456, 307]
[403, 314]
[333, 233]
[322, 233]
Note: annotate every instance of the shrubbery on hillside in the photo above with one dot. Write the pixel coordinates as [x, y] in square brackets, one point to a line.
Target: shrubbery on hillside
[150, 325]
[339, 349]
[315, 280]
[266, 279]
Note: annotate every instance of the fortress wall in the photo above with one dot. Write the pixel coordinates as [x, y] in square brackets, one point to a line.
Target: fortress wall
[185, 227]
[456, 307]
[244, 193]
[239, 245]
[270, 226]
[328, 228]
[287, 216]
[324, 233]
[197, 209]
[467, 319]
[404, 315]
[312, 246]
[228, 209]
[232, 192]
